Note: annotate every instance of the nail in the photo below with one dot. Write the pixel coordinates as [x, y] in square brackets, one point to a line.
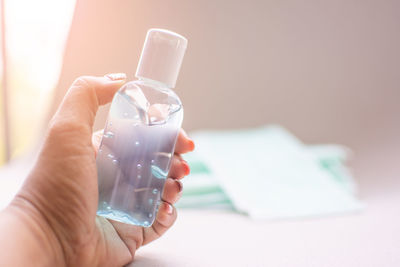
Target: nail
[170, 209]
[116, 76]
[191, 144]
[186, 167]
[180, 185]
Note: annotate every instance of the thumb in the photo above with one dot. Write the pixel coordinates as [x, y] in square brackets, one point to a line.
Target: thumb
[84, 97]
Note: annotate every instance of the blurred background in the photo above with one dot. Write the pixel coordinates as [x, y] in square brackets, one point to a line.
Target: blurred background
[326, 70]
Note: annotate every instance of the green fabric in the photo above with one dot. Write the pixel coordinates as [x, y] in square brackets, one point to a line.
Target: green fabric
[204, 189]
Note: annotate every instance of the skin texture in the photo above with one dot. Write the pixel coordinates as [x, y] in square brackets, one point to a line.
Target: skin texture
[52, 220]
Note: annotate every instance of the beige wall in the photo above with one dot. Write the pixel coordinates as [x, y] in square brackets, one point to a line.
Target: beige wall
[326, 70]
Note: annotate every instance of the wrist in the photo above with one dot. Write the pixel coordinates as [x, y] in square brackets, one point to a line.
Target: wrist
[26, 238]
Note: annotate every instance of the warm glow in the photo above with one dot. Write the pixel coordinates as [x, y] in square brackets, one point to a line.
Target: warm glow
[36, 33]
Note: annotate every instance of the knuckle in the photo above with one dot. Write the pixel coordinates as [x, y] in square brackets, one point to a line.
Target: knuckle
[81, 81]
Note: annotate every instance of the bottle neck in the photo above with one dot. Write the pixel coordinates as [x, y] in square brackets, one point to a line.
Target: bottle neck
[153, 82]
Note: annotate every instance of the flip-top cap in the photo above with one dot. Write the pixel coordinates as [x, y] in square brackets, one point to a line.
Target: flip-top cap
[162, 56]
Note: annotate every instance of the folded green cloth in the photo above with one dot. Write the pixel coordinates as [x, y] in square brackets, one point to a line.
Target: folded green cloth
[202, 190]
[267, 173]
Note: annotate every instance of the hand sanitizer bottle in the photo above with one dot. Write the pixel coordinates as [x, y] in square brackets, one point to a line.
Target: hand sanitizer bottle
[140, 135]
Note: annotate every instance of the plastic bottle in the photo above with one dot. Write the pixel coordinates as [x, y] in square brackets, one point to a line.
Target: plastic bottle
[140, 135]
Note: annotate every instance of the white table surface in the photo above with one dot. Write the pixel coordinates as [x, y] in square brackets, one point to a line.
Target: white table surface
[210, 238]
[369, 238]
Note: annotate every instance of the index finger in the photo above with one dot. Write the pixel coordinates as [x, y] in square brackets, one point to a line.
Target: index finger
[184, 144]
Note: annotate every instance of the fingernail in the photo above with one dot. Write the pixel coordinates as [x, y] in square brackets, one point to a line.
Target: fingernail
[116, 76]
[191, 144]
[186, 167]
[180, 185]
[170, 209]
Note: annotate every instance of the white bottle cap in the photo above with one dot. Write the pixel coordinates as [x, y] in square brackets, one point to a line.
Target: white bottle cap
[162, 56]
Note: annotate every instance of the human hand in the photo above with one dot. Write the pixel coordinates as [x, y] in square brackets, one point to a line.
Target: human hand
[59, 198]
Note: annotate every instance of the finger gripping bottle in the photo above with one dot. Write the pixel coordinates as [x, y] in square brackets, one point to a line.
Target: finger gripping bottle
[139, 138]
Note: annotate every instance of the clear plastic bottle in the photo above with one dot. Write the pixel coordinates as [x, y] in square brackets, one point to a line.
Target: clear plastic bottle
[140, 135]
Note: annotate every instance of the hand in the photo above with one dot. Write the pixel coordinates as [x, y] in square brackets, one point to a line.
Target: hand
[58, 201]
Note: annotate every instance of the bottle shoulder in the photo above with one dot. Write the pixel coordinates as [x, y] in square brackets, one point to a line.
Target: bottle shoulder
[154, 91]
